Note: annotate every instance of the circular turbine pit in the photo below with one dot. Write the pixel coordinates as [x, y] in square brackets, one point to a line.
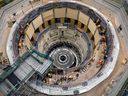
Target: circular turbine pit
[77, 38]
[63, 58]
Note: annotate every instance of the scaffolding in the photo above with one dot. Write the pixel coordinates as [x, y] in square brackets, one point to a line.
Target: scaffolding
[8, 86]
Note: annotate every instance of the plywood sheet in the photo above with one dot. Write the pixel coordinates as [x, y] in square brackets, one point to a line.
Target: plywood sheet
[60, 12]
[92, 26]
[37, 22]
[72, 13]
[83, 18]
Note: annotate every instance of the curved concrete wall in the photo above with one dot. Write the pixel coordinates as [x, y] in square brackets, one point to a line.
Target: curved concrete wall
[63, 13]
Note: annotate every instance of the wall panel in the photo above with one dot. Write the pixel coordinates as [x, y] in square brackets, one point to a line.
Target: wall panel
[92, 26]
[48, 15]
[30, 30]
[97, 37]
[60, 12]
[83, 18]
[72, 13]
[37, 21]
